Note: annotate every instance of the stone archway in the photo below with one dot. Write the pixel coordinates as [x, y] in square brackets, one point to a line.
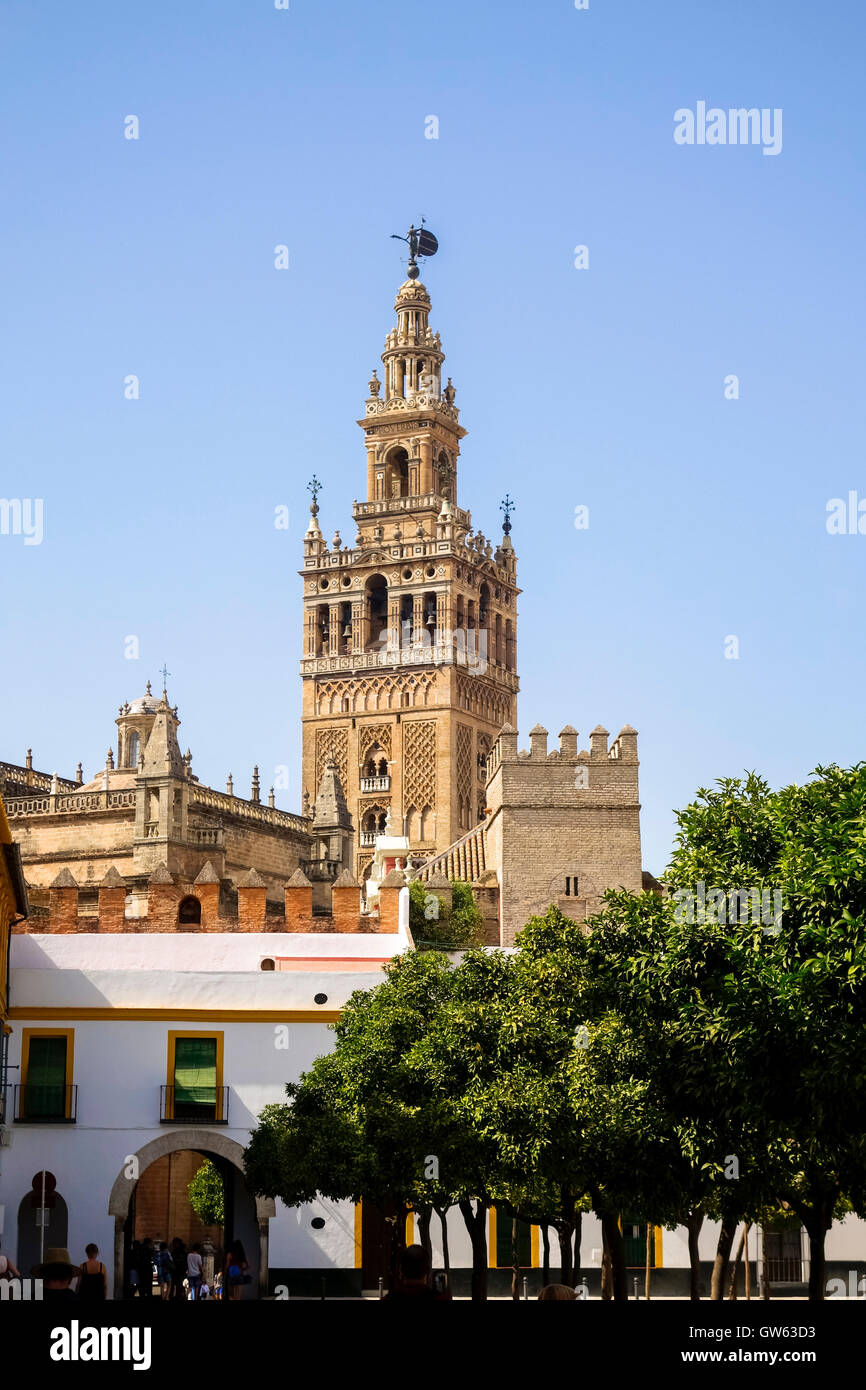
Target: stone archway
[204, 1141]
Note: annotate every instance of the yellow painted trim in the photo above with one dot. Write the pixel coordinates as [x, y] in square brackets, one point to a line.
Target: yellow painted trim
[181, 1015]
[69, 1035]
[657, 1237]
[410, 1228]
[194, 1033]
[359, 1217]
[533, 1247]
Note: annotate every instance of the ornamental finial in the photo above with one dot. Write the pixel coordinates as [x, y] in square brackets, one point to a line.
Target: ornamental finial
[507, 506]
[315, 487]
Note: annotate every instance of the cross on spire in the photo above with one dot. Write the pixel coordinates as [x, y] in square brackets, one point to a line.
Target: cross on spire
[165, 673]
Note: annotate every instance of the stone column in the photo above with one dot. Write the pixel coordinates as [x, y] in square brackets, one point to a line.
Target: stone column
[393, 623]
[310, 632]
[360, 626]
[334, 629]
[417, 617]
[443, 625]
[264, 1223]
[119, 1224]
[427, 481]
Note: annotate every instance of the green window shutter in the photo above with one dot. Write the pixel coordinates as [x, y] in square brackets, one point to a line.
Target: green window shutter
[504, 1257]
[195, 1071]
[46, 1077]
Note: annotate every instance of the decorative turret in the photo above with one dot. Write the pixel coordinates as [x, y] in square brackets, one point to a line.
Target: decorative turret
[332, 822]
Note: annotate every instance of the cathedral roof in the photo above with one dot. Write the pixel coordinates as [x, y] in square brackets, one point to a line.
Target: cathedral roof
[145, 704]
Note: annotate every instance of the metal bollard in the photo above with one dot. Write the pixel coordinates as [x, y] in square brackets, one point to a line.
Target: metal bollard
[381, 1287]
[525, 1287]
[636, 1294]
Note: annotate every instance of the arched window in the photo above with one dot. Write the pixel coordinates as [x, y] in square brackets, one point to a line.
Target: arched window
[376, 619]
[189, 912]
[132, 746]
[397, 473]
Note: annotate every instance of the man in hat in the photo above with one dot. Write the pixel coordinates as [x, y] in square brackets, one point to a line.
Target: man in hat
[57, 1272]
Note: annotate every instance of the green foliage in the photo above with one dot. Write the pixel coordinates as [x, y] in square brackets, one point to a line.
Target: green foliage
[620, 1063]
[207, 1195]
[435, 924]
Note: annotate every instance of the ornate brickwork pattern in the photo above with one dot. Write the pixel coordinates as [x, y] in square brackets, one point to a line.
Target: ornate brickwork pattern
[484, 699]
[375, 693]
[465, 779]
[419, 763]
[371, 734]
[332, 743]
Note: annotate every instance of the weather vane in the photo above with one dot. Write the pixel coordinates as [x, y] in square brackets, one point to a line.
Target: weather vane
[507, 506]
[315, 487]
[421, 242]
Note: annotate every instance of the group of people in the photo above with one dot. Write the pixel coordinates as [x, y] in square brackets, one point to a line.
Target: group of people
[179, 1273]
[58, 1274]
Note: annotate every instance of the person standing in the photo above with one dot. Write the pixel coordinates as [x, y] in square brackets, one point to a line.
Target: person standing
[163, 1270]
[145, 1268]
[93, 1280]
[7, 1268]
[194, 1271]
[57, 1273]
[178, 1270]
[235, 1274]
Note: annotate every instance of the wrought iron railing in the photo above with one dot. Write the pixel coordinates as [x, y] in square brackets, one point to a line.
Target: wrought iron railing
[202, 1104]
[45, 1105]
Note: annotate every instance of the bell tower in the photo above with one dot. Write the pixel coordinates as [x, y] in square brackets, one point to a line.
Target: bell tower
[409, 665]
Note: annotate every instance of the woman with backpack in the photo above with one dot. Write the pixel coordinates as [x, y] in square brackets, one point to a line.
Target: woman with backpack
[235, 1273]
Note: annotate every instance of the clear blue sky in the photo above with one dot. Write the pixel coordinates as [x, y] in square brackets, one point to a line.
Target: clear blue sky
[602, 387]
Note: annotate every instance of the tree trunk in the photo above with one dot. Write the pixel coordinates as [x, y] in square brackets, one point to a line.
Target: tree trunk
[817, 1230]
[578, 1229]
[746, 1253]
[616, 1252]
[606, 1275]
[443, 1222]
[650, 1235]
[545, 1268]
[476, 1225]
[817, 1217]
[732, 1286]
[424, 1214]
[722, 1260]
[564, 1230]
[694, 1222]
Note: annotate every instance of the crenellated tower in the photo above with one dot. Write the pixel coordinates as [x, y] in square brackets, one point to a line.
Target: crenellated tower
[410, 634]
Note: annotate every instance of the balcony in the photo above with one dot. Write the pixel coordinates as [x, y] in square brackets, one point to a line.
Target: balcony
[45, 1105]
[194, 1104]
[368, 839]
[375, 784]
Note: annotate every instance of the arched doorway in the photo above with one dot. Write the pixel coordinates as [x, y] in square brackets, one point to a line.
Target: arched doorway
[29, 1230]
[249, 1215]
